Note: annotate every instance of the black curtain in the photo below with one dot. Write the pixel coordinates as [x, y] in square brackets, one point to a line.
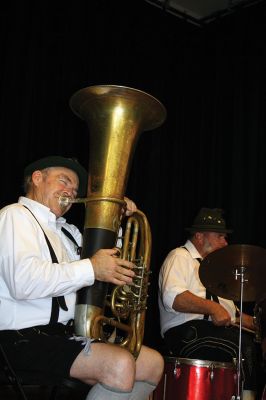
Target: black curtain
[209, 152]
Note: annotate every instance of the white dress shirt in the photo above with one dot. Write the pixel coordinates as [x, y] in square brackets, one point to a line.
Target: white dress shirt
[28, 278]
[179, 273]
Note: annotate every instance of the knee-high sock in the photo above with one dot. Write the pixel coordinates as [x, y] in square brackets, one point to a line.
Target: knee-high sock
[141, 390]
[102, 392]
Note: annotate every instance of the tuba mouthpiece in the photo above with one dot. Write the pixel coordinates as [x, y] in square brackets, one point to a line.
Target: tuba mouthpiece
[64, 201]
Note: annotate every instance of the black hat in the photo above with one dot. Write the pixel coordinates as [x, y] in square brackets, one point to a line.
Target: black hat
[209, 220]
[58, 161]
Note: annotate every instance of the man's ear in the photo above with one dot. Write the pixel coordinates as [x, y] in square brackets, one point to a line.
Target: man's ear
[199, 236]
[37, 177]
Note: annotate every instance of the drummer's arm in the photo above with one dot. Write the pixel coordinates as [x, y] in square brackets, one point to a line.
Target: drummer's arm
[188, 302]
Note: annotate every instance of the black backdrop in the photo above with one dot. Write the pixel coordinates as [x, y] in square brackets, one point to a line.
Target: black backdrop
[209, 152]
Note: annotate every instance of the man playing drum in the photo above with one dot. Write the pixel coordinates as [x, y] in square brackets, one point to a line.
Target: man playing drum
[194, 323]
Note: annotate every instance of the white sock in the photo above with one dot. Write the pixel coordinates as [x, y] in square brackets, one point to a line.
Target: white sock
[102, 392]
[141, 390]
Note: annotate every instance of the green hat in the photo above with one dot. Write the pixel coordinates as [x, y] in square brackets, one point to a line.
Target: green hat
[209, 220]
[58, 161]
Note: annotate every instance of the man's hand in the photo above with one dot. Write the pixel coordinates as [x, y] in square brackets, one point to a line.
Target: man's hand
[219, 315]
[130, 206]
[110, 268]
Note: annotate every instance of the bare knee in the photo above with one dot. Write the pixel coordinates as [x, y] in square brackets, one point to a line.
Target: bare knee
[107, 364]
[124, 371]
[150, 365]
[159, 367]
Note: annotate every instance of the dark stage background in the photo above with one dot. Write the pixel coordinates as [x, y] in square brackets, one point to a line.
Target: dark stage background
[209, 152]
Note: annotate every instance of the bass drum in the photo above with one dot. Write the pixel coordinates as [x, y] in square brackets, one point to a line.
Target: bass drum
[190, 379]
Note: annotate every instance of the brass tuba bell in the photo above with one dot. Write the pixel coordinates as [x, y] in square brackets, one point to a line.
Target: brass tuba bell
[115, 116]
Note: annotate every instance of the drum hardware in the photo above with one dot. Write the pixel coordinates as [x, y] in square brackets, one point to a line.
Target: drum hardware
[246, 263]
[177, 370]
[177, 367]
[239, 362]
[212, 372]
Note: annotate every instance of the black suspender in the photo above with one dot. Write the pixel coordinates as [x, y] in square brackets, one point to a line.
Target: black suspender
[58, 301]
[68, 234]
[210, 296]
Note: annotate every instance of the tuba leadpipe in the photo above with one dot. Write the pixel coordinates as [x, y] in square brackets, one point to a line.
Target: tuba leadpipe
[115, 116]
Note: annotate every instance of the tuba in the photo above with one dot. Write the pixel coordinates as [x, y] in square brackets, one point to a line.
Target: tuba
[115, 115]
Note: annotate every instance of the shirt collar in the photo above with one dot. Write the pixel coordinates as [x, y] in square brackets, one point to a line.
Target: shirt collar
[42, 213]
[192, 250]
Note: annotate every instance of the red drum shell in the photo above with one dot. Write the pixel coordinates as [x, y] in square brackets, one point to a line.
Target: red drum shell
[190, 379]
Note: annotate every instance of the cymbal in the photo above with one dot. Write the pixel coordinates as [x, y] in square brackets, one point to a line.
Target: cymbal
[223, 270]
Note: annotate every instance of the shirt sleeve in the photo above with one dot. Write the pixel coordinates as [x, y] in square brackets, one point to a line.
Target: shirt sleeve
[174, 277]
[119, 242]
[26, 264]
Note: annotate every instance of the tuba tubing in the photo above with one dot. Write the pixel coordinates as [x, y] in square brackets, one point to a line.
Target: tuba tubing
[115, 115]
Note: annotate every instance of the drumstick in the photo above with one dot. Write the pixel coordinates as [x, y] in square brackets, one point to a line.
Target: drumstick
[236, 324]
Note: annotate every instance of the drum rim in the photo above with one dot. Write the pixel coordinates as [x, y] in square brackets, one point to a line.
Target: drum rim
[199, 363]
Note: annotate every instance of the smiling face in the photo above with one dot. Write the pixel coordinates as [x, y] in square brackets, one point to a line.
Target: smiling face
[51, 183]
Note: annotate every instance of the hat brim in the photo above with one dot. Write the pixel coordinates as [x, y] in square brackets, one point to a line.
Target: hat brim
[58, 161]
[208, 228]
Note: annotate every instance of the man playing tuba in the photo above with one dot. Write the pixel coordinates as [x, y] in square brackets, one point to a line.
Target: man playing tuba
[41, 271]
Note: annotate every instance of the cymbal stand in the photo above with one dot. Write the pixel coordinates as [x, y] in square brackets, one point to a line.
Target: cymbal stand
[240, 273]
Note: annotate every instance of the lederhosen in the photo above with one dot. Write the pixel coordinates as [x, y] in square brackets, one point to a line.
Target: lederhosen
[58, 351]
